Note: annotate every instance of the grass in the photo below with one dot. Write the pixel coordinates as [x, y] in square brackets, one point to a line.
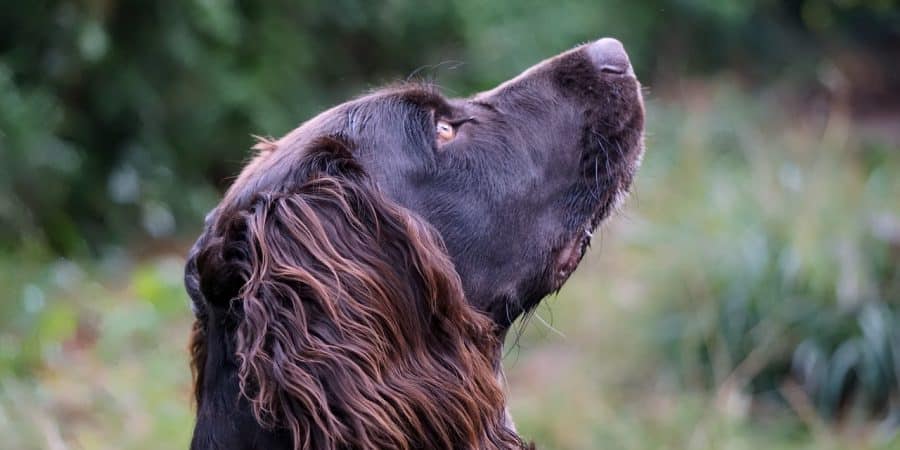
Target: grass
[744, 239]
[101, 366]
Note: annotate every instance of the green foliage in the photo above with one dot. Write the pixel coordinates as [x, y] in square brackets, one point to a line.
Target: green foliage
[857, 368]
[123, 118]
[790, 269]
[94, 366]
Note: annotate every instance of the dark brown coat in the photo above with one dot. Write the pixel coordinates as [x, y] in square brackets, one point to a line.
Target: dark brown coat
[353, 286]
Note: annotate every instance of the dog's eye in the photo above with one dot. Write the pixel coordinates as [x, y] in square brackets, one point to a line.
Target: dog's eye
[445, 131]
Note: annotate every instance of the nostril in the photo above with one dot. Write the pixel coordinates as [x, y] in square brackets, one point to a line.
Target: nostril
[609, 56]
[612, 69]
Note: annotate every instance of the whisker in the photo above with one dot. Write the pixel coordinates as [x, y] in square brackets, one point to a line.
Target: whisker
[550, 327]
[434, 67]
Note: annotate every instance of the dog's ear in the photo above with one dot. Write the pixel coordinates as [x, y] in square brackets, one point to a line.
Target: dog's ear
[219, 249]
[197, 345]
[350, 326]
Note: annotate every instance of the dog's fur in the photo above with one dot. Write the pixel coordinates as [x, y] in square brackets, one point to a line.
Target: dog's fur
[353, 287]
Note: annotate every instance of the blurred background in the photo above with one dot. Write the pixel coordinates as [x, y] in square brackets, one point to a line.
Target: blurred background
[748, 296]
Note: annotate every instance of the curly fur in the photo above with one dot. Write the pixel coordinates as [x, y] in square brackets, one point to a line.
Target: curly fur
[353, 287]
[350, 326]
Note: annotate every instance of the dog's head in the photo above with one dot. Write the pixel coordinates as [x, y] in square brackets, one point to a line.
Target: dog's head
[335, 278]
[515, 179]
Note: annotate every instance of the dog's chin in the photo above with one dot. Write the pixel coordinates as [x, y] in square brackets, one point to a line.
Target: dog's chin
[569, 256]
[576, 242]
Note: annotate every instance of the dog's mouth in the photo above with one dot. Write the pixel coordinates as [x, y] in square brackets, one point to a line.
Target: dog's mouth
[570, 255]
[572, 252]
[609, 196]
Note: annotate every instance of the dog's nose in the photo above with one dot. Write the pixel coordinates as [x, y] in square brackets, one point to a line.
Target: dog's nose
[609, 56]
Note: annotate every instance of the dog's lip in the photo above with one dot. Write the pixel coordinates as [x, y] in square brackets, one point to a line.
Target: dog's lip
[572, 252]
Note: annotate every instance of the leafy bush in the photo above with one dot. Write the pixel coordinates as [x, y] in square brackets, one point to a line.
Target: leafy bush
[784, 262]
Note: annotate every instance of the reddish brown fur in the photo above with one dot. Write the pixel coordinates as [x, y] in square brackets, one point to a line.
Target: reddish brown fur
[329, 313]
[352, 329]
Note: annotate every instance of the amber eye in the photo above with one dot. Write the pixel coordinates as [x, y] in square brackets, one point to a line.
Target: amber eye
[445, 131]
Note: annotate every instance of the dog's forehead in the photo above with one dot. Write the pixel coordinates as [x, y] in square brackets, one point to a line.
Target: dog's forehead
[360, 120]
[414, 95]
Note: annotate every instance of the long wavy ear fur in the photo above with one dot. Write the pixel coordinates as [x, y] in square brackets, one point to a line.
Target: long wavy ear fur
[349, 324]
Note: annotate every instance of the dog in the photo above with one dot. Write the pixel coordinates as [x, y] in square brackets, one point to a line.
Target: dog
[353, 287]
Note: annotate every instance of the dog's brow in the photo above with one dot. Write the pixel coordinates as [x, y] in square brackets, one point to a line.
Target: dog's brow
[483, 104]
[424, 96]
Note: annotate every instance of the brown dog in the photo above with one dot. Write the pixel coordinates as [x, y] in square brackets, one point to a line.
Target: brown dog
[353, 287]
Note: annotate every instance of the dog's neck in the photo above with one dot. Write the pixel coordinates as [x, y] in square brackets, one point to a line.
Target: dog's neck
[501, 378]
